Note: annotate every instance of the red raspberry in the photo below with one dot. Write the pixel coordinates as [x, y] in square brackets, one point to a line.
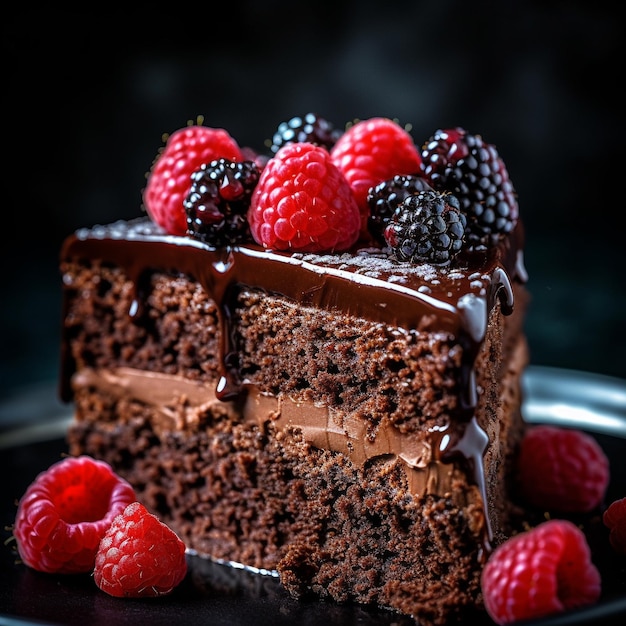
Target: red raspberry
[560, 469]
[139, 556]
[302, 202]
[614, 519]
[540, 572]
[370, 152]
[170, 177]
[65, 512]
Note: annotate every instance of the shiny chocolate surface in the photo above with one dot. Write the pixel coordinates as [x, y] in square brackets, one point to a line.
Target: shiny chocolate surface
[365, 283]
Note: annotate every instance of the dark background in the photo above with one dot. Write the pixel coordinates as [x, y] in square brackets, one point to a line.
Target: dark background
[88, 95]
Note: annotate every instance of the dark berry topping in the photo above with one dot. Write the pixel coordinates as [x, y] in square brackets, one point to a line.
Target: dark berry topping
[384, 198]
[471, 169]
[218, 201]
[310, 128]
[426, 227]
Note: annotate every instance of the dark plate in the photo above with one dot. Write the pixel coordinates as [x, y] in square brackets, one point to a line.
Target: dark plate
[217, 594]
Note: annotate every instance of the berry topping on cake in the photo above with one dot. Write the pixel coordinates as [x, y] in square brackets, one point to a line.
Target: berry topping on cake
[470, 168]
[139, 556]
[311, 128]
[540, 572]
[66, 511]
[560, 469]
[218, 201]
[372, 151]
[614, 519]
[169, 180]
[302, 202]
[384, 198]
[426, 227]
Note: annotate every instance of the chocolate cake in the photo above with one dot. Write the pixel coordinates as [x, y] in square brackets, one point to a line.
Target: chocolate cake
[342, 419]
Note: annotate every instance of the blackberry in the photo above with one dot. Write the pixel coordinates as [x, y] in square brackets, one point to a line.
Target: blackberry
[310, 128]
[218, 201]
[384, 198]
[471, 169]
[426, 227]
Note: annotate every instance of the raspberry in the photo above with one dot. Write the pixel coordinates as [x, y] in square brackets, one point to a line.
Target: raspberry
[614, 519]
[65, 512]
[370, 152]
[218, 201]
[169, 180]
[470, 168]
[311, 128]
[139, 556]
[540, 572]
[426, 227]
[560, 469]
[384, 198]
[303, 203]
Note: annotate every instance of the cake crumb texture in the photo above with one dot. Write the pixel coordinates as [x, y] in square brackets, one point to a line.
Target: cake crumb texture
[253, 493]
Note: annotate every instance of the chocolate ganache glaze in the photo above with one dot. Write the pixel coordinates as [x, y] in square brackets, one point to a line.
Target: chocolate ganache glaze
[365, 283]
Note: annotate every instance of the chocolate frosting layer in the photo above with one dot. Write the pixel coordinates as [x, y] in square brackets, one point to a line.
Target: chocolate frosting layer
[365, 283]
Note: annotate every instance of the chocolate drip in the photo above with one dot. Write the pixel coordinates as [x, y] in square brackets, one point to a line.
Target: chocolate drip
[471, 443]
[141, 289]
[501, 287]
[229, 384]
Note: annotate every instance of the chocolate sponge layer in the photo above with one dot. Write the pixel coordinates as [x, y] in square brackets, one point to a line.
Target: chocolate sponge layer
[257, 491]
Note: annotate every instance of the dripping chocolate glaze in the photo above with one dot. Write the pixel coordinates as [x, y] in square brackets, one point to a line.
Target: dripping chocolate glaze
[366, 284]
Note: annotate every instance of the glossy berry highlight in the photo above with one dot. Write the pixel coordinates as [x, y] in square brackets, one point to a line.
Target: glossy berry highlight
[384, 199]
[466, 165]
[370, 152]
[66, 511]
[218, 201]
[169, 180]
[427, 227]
[302, 202]
[310, 128]
[139, 556]
[541, 572]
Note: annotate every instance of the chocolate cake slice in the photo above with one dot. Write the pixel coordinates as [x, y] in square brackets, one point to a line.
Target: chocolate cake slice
[344, 420]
